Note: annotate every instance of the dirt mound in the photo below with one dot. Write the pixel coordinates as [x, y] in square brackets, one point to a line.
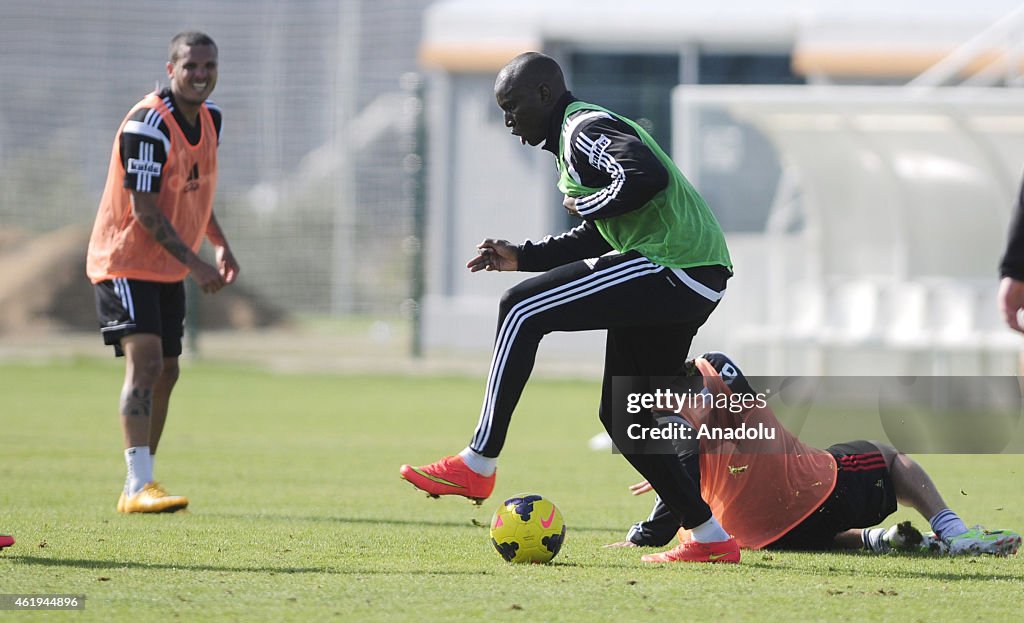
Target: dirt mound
[10, 238]
[43, 287]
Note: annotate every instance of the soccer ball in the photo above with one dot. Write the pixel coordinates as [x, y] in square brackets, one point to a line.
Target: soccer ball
[527, 528]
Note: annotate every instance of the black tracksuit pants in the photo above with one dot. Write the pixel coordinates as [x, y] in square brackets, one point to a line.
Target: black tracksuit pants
[651, 314]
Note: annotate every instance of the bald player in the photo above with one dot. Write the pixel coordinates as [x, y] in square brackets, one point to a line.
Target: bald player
[660, 270]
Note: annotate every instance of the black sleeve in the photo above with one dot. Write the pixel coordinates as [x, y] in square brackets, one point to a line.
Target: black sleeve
[217, 116]
[143, 151]
[1013, 260]
[608, 154]
[579, 243]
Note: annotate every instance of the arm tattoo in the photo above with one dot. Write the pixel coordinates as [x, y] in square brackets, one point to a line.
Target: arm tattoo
[136, 402]
[163, 232]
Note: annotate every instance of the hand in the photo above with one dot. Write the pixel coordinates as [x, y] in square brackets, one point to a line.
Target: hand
[569, 203]
[494, 254]
[641, 488]
[207, 277]
[1011, 302]
[227, 265]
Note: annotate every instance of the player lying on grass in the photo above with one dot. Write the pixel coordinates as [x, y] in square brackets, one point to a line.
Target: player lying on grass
[780, 493]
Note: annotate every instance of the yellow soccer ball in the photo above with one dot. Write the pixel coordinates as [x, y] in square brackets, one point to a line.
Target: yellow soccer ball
[527, 528]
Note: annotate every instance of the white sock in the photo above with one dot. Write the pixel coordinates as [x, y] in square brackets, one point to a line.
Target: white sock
[140, 469]
[709, 532]
[479, 463]
[872, 540]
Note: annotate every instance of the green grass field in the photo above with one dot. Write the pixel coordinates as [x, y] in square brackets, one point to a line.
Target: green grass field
[297, 513]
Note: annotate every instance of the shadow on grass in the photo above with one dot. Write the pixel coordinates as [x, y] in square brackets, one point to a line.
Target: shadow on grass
[888, 573]
[130, 565]
[389, 521]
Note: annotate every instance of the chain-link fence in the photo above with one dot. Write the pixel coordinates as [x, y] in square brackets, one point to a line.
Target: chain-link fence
[317, 189]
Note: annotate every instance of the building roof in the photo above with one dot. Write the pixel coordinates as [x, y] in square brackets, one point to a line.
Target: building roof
[836, 37]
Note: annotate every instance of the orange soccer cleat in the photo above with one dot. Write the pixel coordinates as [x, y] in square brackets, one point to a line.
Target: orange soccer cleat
[449, 476]
[692, 551]
[152, 498]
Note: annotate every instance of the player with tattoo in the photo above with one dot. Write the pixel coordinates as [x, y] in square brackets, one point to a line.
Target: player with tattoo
[156, 209]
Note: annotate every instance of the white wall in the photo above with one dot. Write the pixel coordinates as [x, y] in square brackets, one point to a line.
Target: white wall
[483, 183]
[889, 262]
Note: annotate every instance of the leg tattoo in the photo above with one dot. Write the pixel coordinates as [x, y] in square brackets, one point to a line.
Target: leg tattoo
[136, 402]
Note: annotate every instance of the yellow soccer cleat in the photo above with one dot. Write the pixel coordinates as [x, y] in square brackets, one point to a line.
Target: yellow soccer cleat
[152, 498]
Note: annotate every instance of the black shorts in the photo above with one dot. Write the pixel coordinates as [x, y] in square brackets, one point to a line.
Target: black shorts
[127, 306]
[863, 497]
